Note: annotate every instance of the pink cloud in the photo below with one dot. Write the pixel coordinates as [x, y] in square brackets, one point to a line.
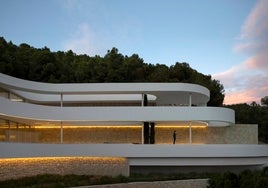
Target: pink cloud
[253, 92]
[239, 97]
[254, 36]
[256, 22]
[245, 82]
[243, 86]
[259, 61]
[229, 76]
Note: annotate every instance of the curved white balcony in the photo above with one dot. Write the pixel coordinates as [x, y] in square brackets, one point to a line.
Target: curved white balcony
[166, 93]
[30, 113]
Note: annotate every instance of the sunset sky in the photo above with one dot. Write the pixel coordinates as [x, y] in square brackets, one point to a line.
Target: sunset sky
[227, 39]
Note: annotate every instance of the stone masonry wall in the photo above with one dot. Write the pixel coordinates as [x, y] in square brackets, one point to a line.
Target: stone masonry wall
[235, 134]
[23, 167]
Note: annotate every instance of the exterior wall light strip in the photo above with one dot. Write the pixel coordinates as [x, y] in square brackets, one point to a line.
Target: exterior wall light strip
[180, 126]
[85, 127]
[36, 159]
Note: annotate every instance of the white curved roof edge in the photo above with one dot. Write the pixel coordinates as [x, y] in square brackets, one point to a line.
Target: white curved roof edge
[162, 91]
[31, 112]
[46, 98]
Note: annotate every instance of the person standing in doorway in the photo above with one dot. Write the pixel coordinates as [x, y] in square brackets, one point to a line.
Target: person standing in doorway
[174, 137]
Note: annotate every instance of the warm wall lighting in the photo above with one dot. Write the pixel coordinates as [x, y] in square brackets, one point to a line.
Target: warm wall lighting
[184, 124]
[5, 161]
[180, 126]
[11, 168]
[87, 127]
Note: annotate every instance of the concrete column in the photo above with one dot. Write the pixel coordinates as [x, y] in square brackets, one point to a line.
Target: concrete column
[24, 133]
[190, 99]
[17, 132]
[61, 133]
[142, 126]
[61, 99]
[61, 128]
[30, 134]
[142, 133]
[8, 135]
[190, 132]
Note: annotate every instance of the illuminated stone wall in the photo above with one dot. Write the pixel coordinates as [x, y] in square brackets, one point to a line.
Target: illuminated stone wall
[73, 135]
[165, 135]
[236, 134]
[103, 135]
[23, 167]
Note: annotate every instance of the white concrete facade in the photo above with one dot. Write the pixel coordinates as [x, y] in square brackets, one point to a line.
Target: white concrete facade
[173, 104]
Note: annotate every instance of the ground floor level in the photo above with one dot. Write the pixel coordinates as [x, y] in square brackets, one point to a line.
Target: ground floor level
[27, 159]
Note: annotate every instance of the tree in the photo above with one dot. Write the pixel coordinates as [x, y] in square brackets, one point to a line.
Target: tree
[133, 68]
[253, 103]
[160, 74]
[264, 100]
[114, 62]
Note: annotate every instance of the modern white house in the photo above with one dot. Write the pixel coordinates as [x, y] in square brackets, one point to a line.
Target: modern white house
[131, 122]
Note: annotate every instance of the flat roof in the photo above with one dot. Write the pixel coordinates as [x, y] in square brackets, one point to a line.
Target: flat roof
[165, 93]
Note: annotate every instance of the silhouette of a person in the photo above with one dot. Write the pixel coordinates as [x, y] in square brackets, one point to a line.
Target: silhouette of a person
[174, 137]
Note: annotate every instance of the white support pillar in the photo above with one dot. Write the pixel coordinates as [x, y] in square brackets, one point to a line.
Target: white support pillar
[17, 132]
[142, 126]
[8, 135]
[190, 132]
[61, 127]
[24, 133]
[61, 100]
[190, 99]
[142, 133]
[61, 133]
[30, 133]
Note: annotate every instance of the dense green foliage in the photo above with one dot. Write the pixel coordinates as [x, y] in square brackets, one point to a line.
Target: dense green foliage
[264, 100]
[246, 179]
[253, 114]
[42, 65]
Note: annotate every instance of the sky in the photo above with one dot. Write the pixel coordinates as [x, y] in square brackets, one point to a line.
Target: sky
[224, 38]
